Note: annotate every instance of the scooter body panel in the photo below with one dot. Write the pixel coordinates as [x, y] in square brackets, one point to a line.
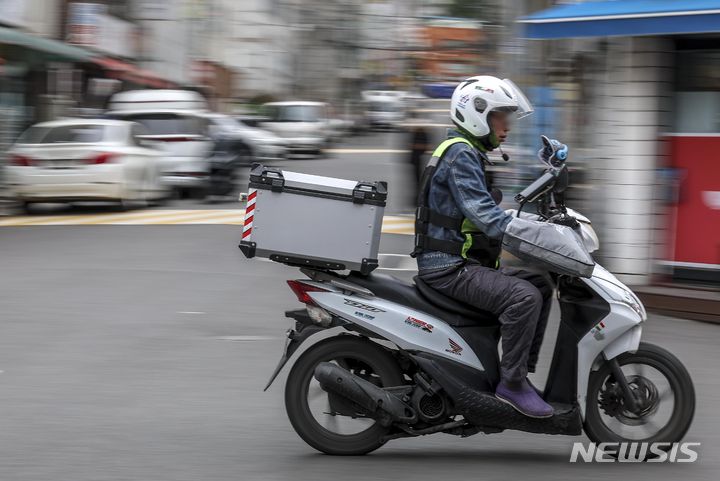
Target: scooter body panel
[409, 329]
[618, 332]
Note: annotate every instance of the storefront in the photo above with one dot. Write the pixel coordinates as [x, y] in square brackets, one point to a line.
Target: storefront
[38, 78]
[693, 149]
[656, 124]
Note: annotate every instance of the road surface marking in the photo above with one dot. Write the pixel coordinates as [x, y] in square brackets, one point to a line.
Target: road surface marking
[190, 312]
[391, 224]
[247, 338]
[140, 217]
[366, 151]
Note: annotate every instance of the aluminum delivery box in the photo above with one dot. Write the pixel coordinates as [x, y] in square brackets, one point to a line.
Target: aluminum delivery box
[310, 220]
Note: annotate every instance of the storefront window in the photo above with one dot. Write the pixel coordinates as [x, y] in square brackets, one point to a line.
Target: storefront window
[697, 97]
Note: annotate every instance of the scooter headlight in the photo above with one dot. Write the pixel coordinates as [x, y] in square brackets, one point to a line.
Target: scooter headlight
[634, 303]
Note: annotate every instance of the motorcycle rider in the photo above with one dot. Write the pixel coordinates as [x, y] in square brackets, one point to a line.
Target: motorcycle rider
[459, 229]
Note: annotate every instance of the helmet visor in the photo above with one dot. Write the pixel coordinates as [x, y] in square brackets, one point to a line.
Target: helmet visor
[525, 108]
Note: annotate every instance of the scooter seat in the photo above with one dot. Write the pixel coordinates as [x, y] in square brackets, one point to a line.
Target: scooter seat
[396, 290]
[449, 304]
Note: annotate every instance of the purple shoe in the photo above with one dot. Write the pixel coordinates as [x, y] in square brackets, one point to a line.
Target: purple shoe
[538, 391]
[525, 400]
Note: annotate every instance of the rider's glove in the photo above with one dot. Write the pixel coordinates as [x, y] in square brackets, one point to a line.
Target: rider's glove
[555, 151]
[566, 220]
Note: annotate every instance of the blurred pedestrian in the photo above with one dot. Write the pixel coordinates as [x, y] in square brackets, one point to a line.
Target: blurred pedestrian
[419, 145]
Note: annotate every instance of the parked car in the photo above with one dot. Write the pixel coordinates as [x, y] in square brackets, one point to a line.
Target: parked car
[384, 109]
[176, 120]
[305, 126]
[84, 160]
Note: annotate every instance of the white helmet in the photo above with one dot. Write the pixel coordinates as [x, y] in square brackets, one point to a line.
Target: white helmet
[476, 97]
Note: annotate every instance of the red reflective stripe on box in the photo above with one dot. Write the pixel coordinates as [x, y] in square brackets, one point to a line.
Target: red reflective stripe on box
[249, 208]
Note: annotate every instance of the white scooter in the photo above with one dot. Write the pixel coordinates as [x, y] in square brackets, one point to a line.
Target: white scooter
[404, 360]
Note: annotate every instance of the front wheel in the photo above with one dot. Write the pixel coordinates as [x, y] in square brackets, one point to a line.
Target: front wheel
[665, 399]
[325, 422]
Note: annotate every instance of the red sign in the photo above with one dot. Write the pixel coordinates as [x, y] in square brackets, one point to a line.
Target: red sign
[697, 215]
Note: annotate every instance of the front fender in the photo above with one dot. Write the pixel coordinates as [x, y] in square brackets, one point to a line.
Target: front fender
[627, 342]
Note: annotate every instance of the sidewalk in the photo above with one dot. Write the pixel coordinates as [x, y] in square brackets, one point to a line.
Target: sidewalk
[701, 303]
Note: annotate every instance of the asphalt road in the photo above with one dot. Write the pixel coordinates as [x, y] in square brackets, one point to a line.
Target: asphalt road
[140, 353]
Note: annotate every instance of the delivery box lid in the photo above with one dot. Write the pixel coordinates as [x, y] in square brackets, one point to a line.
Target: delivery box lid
[278, 180]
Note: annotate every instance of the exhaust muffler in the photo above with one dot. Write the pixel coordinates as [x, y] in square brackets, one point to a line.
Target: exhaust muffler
[376, 402]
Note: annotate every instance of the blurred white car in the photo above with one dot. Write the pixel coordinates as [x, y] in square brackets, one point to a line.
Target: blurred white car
[305, 126]
[250, 143]
[84, 159]
[176, 121]
[384, 108]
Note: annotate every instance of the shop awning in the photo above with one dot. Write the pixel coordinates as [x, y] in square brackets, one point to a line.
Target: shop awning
[624, 18]
[132, 73]
[51, 49]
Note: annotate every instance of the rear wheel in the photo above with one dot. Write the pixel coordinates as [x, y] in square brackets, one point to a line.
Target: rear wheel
[664, 394]
[25, 207]
[198, 193]
[312, 414]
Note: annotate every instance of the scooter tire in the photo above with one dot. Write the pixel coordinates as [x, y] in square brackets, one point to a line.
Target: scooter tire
[296, 394]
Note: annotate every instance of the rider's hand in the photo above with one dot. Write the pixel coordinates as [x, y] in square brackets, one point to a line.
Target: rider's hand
[556, 150]
[566, 220]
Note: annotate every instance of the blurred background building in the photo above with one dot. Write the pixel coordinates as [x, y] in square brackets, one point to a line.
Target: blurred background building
[645, 76]
[632, 86]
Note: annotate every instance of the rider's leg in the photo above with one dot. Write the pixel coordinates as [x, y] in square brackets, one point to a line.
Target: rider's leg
[518, 304]
[546, 288]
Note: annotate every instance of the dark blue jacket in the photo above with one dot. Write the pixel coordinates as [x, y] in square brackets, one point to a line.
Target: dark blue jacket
[458, 189]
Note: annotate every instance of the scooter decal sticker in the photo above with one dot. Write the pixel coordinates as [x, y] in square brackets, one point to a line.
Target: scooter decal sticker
[362, 306]
[411, 321]
[363, 315]
[249, 214]
[597, 331]
[455, 348]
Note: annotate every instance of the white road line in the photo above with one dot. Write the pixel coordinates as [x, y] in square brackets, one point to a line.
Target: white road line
[145, 217]
[247, 338]
[84, 218]
[188, 217]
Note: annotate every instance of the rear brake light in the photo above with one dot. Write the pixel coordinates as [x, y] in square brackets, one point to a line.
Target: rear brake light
[301, 291]
[102, 158]
[175, 139]
[21, 160]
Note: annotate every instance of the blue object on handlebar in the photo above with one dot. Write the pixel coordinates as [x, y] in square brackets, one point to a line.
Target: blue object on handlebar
[562, 153]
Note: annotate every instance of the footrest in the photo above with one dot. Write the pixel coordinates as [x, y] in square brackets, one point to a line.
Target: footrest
[484, 409]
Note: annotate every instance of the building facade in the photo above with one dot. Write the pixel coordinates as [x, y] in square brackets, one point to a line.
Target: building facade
[654, 105]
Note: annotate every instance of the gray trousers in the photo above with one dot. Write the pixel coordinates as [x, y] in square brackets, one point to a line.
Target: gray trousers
[520, 299]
